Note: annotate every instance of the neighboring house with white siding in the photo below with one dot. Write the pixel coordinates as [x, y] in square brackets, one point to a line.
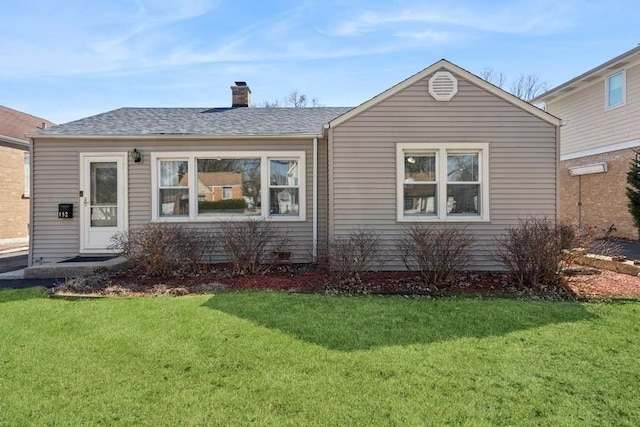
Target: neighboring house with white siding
[441, 146]
[600, 112]
[14, 173]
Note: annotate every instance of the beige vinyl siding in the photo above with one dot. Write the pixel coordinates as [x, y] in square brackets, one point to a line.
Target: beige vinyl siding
[588, 125]
[522, 161]
[57, 179]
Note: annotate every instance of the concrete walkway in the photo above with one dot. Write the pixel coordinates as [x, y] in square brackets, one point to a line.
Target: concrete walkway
[14, 272]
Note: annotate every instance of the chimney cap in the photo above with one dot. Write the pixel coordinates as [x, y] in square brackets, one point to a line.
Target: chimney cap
[241, 83]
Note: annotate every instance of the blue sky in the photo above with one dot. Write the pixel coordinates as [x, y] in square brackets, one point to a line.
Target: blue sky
[68, 59]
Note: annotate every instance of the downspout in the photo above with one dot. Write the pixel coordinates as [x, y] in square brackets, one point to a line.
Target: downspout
[315, 200]
[580, 201]
[31, 197]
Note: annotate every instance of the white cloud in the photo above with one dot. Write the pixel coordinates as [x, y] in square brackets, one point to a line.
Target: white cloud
[519, 17]
[428, 35]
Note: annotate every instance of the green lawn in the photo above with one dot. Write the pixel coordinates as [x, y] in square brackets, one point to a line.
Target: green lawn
[283, 359]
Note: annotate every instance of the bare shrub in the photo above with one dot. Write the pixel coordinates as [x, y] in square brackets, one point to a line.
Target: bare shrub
[349, 257]
[440, 253]
[531, 252]
[577, 239]
[247, 243]
[165, 249]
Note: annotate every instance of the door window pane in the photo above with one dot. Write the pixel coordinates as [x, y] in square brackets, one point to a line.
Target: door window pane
[104, 216]
[103, 199]
[104, 183]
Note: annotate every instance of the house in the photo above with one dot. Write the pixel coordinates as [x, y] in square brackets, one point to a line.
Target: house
[441, 146]
[15, 173]
[600, 132]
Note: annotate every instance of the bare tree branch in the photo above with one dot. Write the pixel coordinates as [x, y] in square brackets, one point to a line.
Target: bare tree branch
[295, 99]
[528, 87]
[493, 77]
[525, 87]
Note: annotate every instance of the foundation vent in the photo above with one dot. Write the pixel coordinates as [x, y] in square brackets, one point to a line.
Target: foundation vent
[443, 86]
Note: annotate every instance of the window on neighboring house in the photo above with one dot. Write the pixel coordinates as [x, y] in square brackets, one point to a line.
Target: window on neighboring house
[226, 193]
[173, 188]
[231, 184]
[27, 175]
[443, 182]
[615, 90]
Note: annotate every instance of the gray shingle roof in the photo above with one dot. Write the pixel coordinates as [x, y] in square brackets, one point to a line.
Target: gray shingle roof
[202, 121]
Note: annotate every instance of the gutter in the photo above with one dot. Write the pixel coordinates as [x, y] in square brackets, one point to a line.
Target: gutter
[14, 142]
[163, 136]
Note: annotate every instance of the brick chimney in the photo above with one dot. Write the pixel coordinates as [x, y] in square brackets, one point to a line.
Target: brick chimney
[240, 95]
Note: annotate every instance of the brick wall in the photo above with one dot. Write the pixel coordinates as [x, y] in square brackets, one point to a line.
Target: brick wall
[14, 209]
[603, 197]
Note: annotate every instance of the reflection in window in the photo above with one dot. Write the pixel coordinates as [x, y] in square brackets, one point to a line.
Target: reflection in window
[284, 182]
[463, 184]
[420, 184]
[174, 188]
[228, 186]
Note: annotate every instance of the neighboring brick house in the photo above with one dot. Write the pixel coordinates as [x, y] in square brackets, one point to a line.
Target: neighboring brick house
[14, 174]
[600, 112]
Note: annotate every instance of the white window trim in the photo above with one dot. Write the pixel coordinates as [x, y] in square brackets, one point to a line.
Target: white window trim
[27, 175]
[624, 90]
[441, 150]
[264, 156]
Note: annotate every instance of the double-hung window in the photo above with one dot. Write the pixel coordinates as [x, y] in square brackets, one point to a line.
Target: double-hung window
[210, 186]
[442, 182]
[284, 186]
[615, 90]
[173, 188]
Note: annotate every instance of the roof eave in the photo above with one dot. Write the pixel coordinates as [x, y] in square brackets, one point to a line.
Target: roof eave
[14, 142]
[617, 62]
[137, 137]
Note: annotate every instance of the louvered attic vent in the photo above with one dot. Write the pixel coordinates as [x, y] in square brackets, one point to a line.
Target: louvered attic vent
[443, 86]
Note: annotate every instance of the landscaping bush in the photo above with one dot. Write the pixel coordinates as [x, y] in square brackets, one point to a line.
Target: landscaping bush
[165, 249]
[440, 253]
[248, 242]
[349, 257]
[531, 252]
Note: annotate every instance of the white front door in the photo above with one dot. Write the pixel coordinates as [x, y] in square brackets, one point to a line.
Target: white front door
[102, 200]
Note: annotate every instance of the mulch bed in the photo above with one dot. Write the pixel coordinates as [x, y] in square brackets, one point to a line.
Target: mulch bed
[307, 279]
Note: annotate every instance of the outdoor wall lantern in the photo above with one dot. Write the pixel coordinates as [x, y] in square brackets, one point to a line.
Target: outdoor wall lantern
[136, 156]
